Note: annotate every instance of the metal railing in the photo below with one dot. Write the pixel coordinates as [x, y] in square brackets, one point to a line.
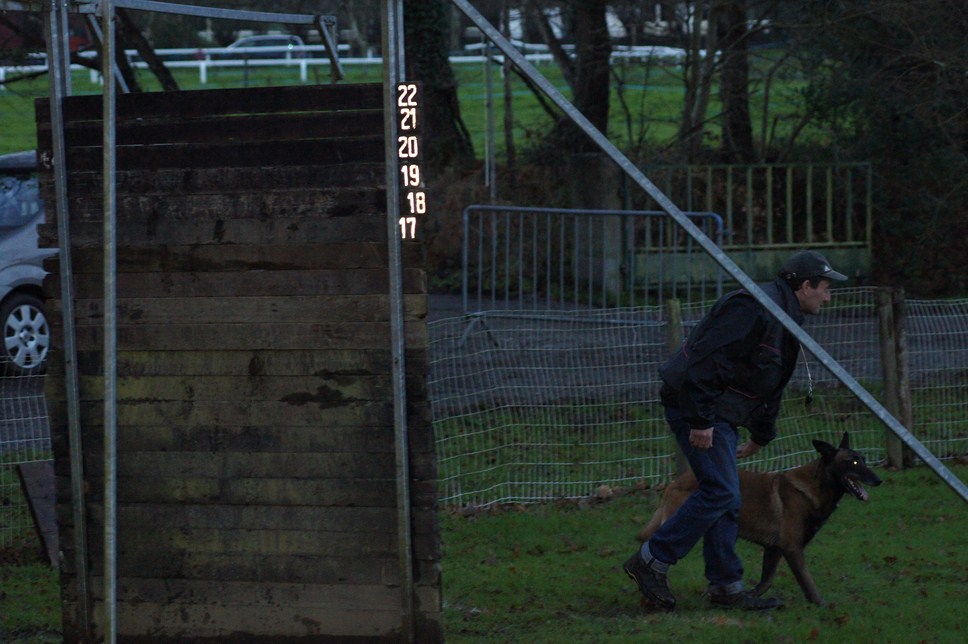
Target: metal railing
[778, 205]
[551, 258]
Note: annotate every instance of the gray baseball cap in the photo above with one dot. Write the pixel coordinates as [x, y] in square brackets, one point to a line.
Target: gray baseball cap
[807, 264]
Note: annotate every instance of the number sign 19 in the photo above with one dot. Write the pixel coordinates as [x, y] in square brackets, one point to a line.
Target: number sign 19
[409, 119]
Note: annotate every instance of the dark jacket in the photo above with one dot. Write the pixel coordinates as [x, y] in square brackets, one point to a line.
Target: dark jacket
[735, 364]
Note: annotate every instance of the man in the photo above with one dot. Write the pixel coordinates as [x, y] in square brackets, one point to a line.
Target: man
[730, 372]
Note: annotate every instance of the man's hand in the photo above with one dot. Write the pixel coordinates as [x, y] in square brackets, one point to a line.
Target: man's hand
[747, 449]
[701, 438]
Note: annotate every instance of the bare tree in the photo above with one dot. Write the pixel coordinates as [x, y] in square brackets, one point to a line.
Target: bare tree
[699, 65]
[734, 86]
[589, 73]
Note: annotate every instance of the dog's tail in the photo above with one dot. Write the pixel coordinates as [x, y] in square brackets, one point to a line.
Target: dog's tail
[673, 496]
[658, 518]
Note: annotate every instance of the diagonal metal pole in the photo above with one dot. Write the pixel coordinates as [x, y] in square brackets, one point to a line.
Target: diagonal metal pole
[108, 51]
[60, 87]
[727, 264]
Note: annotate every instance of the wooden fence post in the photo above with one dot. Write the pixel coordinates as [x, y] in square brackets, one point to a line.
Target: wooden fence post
[897, 390]
[673, 314]
[905, 406]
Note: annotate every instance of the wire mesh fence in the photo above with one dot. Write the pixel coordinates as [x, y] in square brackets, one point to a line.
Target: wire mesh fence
[24, 438]
[538, 405]
[535, 405]
[938, 346]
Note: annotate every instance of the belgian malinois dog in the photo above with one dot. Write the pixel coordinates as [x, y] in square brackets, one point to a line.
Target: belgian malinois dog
[782, 511]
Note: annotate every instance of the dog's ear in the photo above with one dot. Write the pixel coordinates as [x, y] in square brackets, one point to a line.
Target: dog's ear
[845, 442]
[827, 451]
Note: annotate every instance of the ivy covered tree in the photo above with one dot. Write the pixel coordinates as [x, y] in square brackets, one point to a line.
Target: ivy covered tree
[426, 35]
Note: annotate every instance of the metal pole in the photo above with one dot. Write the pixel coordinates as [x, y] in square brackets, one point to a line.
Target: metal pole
[96, 31]
[714, 251]
[110, 326]
[393, 73]
[60, 87]
[489, 160]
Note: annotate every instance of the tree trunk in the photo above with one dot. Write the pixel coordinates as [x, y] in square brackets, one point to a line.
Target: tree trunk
[130, 33]
[734, 84]
[593, 48]
[558, 53]
[426, 24]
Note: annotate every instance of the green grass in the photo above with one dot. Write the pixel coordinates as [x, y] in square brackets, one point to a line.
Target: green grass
[29, 603]
[891, 570]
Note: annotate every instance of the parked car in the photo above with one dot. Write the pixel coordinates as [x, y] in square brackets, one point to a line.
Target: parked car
[25, 330]
[281, 46]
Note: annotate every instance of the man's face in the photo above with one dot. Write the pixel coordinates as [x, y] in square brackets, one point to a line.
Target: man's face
[811, 299]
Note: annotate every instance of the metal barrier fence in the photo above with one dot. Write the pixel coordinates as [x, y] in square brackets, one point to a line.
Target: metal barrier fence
[531, 406]
[516, 257]
[24, 438]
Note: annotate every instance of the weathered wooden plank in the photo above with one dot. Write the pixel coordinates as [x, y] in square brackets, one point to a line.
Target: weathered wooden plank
[280, 283]
[242, 465]
[250, 517]
[285, 310]
[245, 593]
[206, 103]
[266, 257]
[205, 362]
[237, 127]
[352, 460]
[290, 539]
[317, 203]
[263, 517]
[232, 155]
[363, 227]
[242, 412]
[158, 622]
[261, 567]
[292, 388]
[245, 337]
[258, 438]
[180, 181]
[346, 491]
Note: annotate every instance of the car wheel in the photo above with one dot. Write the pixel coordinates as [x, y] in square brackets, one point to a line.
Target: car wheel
[26, 335]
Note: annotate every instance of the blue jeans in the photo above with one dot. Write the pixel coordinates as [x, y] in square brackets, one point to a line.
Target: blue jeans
[711, 513]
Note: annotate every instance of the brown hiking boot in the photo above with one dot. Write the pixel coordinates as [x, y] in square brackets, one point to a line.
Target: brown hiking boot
[651, 582]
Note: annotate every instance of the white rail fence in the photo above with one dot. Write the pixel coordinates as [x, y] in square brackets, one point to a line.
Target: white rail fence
[305, 57]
